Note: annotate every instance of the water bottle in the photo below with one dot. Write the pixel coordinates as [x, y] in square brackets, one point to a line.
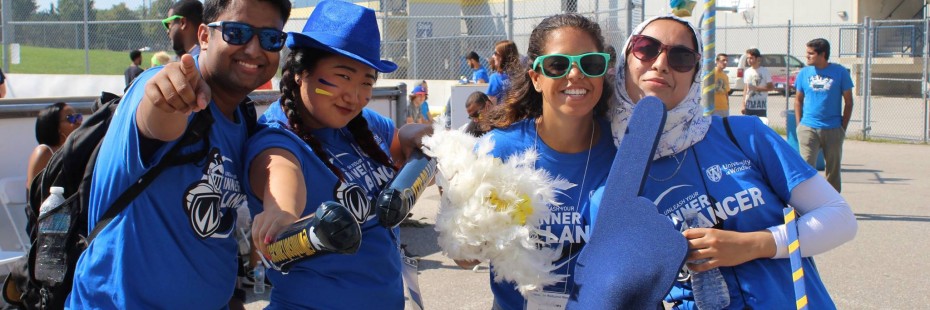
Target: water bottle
[463, 80]
[259, 274]
[53, 230]
[709, 287]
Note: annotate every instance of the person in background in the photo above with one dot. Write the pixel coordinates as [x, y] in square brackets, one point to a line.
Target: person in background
[133, 70]
[558, 108]
[2, 84]
[173, 246]
[53, 126]
[322, 144]
[726, 192]
[479, 75]
[477, 106]
[160, 58]
[183, 21]
[822, 120]
[507, 59]
[417, 108]
[721, 87]
[758, 83]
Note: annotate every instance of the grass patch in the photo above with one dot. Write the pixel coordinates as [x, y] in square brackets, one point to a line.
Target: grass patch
[43, 60]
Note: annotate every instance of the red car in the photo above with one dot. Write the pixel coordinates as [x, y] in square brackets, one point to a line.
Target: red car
[779, 82]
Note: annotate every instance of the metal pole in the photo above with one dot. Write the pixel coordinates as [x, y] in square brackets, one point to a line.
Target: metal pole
[413, 58]
[708, 29]
[7, 33]
[788, 70]
[867, 78]
[509, 5]
[86, 45]
[924, 83]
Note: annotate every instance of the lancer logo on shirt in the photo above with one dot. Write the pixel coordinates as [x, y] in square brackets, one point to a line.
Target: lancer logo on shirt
[714, 173]
[353, 197]
[211, 201]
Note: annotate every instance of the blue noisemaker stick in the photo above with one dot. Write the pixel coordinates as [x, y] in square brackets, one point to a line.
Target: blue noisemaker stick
[395, 201]
[331, 229]
[634, 253]
[794, 254]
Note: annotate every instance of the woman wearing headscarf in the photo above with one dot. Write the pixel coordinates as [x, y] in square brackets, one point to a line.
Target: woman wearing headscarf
[725, 182]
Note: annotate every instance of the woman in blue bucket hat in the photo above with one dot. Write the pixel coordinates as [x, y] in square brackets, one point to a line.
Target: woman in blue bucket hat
[321, 144]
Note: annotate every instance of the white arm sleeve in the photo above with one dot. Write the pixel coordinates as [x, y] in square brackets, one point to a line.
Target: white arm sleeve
[825, 221]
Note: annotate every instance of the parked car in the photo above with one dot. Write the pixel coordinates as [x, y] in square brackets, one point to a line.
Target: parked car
[775, 63]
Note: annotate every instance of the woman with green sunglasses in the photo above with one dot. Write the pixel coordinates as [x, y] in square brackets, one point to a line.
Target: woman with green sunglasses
[557, 108]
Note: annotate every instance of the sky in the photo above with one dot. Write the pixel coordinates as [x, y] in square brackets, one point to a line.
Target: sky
[99, 4]
[133, 4]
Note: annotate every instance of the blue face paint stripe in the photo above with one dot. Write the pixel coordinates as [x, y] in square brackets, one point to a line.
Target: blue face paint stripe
[327, 83]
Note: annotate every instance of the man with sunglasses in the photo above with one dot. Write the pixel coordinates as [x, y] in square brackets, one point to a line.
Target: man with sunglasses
[183, 21]
[173, 246]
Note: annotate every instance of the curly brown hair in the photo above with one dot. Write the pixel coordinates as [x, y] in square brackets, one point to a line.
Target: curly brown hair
[302, 60]
[523, 101]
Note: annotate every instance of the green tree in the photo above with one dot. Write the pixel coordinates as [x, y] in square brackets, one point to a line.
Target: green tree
[23, 9]
[120, 36]
[73, 10]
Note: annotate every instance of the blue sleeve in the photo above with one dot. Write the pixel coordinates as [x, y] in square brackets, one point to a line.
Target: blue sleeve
[847, 79]
[495, 86]
[781, 165]
[798, 85]
[482, 75]
[424, 110]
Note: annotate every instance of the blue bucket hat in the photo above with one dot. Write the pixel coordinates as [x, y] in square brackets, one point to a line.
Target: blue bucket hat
[345, 29]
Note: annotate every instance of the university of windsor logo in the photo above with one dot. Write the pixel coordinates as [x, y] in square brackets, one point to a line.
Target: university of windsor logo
[714, 173]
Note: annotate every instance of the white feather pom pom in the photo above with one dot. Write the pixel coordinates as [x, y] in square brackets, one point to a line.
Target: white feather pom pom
[491, 209]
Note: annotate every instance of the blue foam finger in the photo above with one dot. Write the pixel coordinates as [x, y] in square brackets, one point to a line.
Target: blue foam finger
[634, 253]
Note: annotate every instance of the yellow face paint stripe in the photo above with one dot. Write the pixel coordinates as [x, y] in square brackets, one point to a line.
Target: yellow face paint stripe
[323, 92]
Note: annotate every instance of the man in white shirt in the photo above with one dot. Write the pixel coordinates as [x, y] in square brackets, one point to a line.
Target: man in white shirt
[758, 83]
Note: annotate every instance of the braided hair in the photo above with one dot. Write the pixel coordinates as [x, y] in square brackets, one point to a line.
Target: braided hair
[302, 60]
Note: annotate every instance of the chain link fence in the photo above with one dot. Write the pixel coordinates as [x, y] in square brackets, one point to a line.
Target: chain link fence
[887, 59]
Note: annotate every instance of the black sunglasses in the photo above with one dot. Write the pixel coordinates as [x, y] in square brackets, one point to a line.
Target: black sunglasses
[646, 48]
[74, 118]
[237, 33]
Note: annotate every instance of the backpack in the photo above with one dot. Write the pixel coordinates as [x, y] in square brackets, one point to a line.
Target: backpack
[72, 168]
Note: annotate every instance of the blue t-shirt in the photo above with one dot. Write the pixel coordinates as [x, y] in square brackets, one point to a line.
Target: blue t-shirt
[173, 246]
[369, 279]
[424, 110]
[498, 85]
[747, 192]
[823, 95]
[571, 221]
[479, 74]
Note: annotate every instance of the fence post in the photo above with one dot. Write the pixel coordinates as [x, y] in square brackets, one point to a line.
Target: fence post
[413, 56]
[867, 79]
[86, 43]
[923, 82]
[509, 5]
[788, 71]
[7, 32]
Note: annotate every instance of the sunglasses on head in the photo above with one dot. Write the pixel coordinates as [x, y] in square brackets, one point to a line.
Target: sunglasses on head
[237, 33]
[558, 65]
[167, 21]
[646, 48]
[74, 118]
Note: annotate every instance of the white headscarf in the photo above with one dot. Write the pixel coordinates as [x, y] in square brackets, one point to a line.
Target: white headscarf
[685, 124]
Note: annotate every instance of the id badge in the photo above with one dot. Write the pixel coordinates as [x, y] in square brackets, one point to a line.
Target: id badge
[542, 300]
